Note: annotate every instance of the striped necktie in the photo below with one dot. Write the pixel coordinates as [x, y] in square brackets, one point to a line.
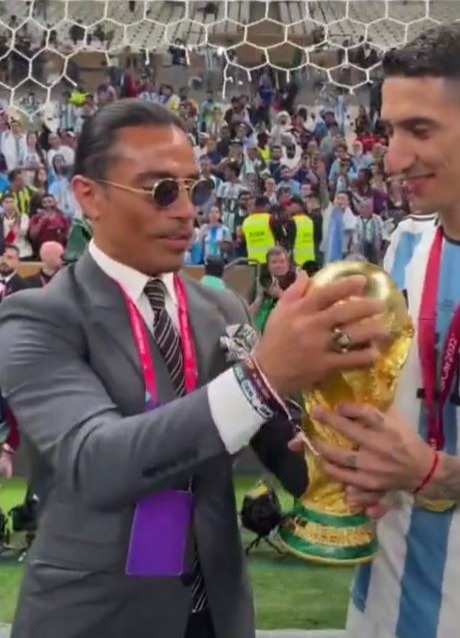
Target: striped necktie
[166, 335]
[169, 344]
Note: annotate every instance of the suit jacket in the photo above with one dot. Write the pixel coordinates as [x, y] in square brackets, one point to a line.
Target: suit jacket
[70, 373]
[15, 284]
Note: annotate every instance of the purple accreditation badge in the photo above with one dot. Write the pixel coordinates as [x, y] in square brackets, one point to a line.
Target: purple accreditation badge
[159, 535]
[160, 531]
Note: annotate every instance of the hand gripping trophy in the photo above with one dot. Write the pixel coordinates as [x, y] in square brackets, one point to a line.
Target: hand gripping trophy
[322, 527]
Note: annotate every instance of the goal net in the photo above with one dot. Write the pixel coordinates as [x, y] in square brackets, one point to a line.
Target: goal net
[48, 47]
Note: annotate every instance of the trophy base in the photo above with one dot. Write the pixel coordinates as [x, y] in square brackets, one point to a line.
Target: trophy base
[328, 538]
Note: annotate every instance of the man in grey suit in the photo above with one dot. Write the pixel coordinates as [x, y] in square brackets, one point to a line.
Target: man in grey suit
[116, 443]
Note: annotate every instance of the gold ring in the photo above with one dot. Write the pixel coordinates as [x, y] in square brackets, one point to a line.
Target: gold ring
[341, 341]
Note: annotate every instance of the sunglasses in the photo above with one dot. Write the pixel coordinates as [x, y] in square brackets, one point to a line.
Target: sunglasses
[166, 191]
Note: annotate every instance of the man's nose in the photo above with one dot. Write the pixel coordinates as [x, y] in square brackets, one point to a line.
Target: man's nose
[400, 156]
[183, 206]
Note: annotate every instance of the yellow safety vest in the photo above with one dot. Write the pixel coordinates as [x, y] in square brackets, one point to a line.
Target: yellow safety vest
[22, 199]
[304, 246]
[265, 154]
[258, 236]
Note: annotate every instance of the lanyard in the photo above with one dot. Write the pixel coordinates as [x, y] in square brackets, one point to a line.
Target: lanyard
[141, 338]
[436, 397]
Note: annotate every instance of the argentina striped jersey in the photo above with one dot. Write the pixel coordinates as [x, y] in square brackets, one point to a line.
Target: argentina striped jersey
[411, 588]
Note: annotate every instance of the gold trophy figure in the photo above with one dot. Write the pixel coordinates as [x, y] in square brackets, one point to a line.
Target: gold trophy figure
[322, 527]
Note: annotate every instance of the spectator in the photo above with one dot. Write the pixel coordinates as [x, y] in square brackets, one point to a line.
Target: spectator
[292, 154]
[15, 226]
[60, 187]
[215, 236]
[287, 182]
[339, 230]
[51, 256]
[58, 148]
[33, 158]
[214, 273]
[278, 275]
[4, 181]
[50, 224]
[13, 144]
[21, 192]
[10, 280]
[270, 191]
[280, 128]
[228, 194]
[369, 233]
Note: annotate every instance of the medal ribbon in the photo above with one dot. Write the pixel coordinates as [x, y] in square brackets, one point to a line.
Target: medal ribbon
[436, 394]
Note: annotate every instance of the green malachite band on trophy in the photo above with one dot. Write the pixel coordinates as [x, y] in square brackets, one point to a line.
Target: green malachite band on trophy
[339, 554]
[295, 533]
[329, 520]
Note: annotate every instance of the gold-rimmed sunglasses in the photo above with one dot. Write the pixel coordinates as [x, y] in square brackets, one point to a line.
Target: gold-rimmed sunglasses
[167, 190]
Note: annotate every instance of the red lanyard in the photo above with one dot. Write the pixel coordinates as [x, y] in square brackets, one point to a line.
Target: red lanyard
[143, 346]
[436, 397]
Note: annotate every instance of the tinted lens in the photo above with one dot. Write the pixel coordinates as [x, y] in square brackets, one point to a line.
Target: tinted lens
[166, 192]
[201, 192]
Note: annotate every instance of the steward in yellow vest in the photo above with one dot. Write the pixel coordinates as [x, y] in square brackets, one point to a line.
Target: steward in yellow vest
[258, 235]
[304, 244]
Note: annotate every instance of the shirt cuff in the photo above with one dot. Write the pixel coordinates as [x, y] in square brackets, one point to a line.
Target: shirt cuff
[233, 415]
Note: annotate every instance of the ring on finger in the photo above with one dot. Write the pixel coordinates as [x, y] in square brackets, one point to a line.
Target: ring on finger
[341, 341]
[352, 461]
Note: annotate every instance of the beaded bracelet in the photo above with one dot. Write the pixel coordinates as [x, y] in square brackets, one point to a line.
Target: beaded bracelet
[280, 404]
[254, 391]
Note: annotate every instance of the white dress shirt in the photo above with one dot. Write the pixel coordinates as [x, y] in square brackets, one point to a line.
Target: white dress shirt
[233, 415]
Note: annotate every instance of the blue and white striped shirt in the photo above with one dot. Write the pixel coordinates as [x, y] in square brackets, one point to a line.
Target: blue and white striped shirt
[411, 588]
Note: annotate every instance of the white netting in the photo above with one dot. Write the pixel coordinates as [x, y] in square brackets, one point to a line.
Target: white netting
[48, 46]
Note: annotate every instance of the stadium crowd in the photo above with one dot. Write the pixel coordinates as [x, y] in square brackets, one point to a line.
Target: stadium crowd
[310, 182]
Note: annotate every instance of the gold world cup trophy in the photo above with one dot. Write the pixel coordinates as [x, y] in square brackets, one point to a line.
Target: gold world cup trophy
[322, 527]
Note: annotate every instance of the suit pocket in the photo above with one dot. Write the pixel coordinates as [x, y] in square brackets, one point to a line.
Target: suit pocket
[43, 578]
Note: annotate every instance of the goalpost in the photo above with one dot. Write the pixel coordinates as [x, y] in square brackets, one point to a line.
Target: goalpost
[48, 46]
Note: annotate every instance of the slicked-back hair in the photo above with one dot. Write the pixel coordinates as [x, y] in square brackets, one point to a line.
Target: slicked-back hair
[435, 53]
[99, 134]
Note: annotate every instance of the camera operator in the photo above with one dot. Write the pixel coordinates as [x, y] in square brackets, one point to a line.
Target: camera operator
[278, 275]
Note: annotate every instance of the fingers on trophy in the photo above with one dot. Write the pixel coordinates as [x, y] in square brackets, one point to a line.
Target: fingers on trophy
[322, 526]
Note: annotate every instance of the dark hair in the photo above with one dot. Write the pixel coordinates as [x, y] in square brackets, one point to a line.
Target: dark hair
[12, 175]
[99, 132]
[11, 247]
[262, 203]
[435, 53]
[214, 267]
[298, 201]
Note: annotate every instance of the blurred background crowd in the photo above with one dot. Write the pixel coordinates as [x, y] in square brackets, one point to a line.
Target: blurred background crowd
[296, 161]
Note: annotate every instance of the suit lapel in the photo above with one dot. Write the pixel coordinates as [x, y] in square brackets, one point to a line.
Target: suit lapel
[207, 327]
[109, 318]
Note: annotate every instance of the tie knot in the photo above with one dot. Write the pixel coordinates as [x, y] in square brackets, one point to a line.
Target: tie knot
[156, 294]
